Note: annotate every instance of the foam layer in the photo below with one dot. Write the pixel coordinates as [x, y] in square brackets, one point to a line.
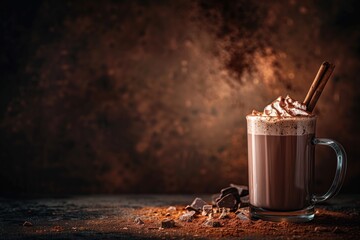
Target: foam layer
[284, 107]
[280, 126]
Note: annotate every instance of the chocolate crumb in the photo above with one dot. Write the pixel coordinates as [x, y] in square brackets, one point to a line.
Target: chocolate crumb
[138, 221]
[171, 209]
[207, 209]
[167, 223]
[224, 214]
[211, 223]
[242, 216]
[187, 217]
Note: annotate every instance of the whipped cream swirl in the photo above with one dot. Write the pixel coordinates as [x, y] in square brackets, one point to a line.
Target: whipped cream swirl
[284, 107]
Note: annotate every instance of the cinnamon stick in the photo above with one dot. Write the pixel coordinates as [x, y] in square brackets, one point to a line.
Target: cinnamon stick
[318, 85]
[320, 88]
[319, 76]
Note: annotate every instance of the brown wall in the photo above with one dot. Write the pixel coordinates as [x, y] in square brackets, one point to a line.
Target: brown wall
[151, 96]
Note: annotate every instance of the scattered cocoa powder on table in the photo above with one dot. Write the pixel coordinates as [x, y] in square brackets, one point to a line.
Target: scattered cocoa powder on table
[326, 225]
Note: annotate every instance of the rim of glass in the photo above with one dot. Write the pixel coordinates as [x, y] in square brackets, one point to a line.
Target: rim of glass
[311, 117]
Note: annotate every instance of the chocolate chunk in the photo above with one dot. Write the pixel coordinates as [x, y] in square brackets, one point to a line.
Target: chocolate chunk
[27, 224]
[224, 214]
[207, 209]
[242, 216]
[190, 208]
[187, 217]
[138, 221]
[226, 191]
[244, 211]
[229, 190]
[168, 223]
[216, 224]
[211, 223]
[242, 189]
[228, 201]
[197, 205]
[171, 209]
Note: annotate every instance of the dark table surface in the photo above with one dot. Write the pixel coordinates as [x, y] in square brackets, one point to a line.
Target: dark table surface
[112, 217]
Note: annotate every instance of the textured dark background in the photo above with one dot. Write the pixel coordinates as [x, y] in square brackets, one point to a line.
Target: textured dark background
[151, 96]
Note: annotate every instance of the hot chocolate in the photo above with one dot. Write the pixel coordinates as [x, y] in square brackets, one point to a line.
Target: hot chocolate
[281, 149]
[281, 156]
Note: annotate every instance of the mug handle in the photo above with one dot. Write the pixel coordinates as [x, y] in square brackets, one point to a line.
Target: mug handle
[340, 169]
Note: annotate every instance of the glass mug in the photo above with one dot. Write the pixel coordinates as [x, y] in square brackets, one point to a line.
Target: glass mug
[281, 154]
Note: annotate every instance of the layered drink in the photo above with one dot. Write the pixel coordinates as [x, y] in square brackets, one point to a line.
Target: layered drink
[281, 156]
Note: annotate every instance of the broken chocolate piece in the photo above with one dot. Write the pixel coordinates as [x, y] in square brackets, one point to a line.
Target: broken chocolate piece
[244, 211]
[242, 216]
[190, 208]
[239, 192]
[224, 214]
[171, 209]
[138, 221]
[228, 201]
[196, 205]
[230, 190]
[242, 189]
[226, 191]
[207, 209]
[187, 217]
[167, 223]
[211, 223]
